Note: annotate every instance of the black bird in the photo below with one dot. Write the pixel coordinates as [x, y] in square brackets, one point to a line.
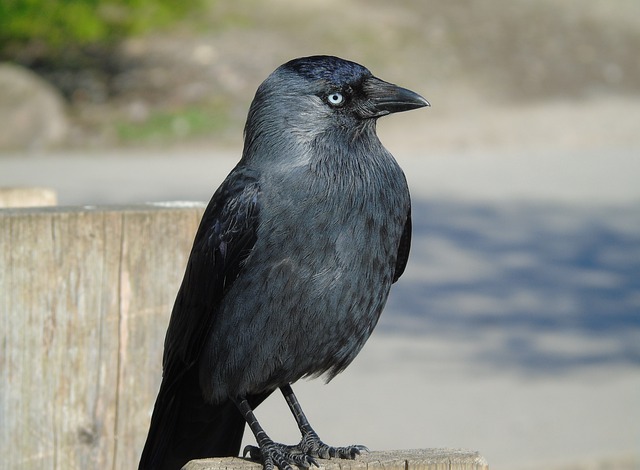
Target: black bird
[290, 268]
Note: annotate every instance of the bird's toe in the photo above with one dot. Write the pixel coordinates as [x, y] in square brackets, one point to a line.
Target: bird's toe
[347, 452]
[253, 452]
[281, 456]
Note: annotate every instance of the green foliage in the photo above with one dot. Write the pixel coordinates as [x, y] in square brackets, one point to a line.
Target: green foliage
[57, 24]
[162, 126]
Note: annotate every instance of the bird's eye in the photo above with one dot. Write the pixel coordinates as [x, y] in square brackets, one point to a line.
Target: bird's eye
[335, 99]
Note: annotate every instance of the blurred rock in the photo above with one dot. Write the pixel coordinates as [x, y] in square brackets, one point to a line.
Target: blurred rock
[31, 110]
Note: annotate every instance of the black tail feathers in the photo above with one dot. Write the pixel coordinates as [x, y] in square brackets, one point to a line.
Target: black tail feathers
[184, 427]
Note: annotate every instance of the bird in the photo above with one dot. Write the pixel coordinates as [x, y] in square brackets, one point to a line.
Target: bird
[290, 268]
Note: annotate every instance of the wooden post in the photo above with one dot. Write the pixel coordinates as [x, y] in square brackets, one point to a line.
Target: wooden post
[27, 197]
[420, 459]
[85, 297]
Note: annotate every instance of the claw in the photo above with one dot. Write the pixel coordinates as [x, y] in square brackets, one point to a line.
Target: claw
[253, 451]
[312, 461]
[303, 460]
[313, 446]
[274, 455]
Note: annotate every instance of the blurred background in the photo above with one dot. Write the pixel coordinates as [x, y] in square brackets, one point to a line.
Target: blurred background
[516, 328]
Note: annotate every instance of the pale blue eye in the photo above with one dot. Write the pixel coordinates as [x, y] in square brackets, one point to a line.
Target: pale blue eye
[335, 99]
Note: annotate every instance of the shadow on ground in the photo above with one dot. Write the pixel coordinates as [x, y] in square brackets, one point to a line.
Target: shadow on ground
[538, 289]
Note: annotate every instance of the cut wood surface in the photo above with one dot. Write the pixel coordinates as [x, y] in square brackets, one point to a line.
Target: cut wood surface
[27, 197]
[419, 459]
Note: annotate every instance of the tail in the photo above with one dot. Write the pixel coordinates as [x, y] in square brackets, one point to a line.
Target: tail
[184, 427]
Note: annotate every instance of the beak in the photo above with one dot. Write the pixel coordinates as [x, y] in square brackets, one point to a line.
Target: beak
[386, 98]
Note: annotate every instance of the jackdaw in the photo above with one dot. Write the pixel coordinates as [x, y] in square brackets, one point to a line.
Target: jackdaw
[290, 268]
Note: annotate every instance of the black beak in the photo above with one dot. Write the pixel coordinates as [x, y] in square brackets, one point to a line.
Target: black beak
[386, 98]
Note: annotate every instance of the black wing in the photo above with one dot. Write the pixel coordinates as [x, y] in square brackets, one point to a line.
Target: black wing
[403, 248]
[225, 238]
[183, 425]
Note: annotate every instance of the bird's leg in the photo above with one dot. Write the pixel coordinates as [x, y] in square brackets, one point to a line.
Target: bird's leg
[270, 453]
[310, 444]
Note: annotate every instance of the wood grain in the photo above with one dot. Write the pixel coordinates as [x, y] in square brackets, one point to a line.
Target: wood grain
[418, 459]
[85, 297]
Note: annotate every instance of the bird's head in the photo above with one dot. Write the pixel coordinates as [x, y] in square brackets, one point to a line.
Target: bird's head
[310, 95]
[344, 86]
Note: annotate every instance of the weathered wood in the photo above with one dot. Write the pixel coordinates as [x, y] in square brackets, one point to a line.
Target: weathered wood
[27, 197]
[420, 459]
[85, 297]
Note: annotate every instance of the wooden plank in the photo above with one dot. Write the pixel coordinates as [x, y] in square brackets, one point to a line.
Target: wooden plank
[27, 197]
[85, 297]
[419, 459]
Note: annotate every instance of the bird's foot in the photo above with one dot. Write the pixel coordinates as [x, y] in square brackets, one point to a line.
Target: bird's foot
[313, 446]
[304, 454]
[273, 454]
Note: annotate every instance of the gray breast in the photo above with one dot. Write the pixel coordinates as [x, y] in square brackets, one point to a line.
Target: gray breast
[322, 265]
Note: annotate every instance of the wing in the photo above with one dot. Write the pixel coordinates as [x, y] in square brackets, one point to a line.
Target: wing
[403, 248]
[225, 238]
[184, 426]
